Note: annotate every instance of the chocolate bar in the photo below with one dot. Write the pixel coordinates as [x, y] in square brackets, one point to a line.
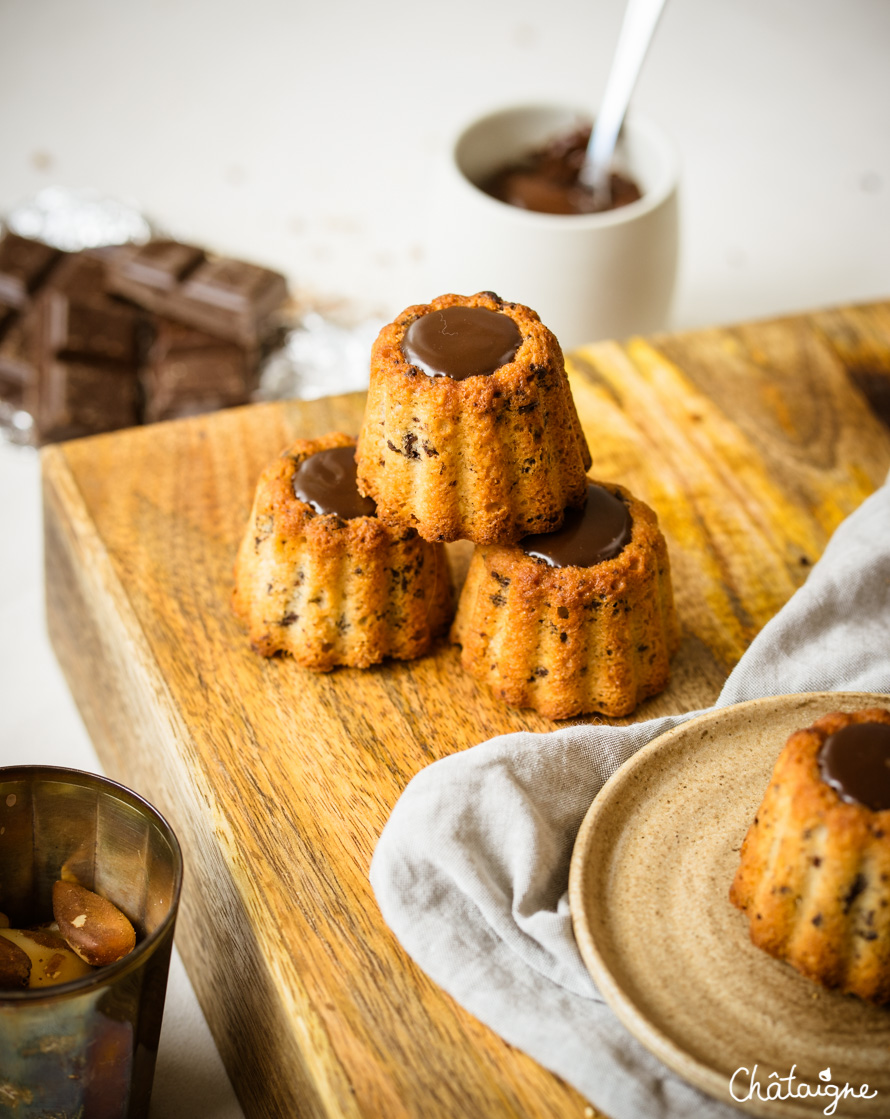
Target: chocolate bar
[83, 346]
[16, 368]
[188, 372]
[82, 351]
[7, 317]
[24, 265]
[231, 299]
[71, 398]
[76, 316]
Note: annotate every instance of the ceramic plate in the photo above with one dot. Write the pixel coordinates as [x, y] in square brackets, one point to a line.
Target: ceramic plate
[649, 890]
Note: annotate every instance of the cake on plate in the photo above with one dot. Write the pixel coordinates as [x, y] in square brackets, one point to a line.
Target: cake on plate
[814, 874]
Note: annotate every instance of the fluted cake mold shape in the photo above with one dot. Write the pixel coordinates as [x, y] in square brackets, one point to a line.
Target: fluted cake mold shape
[490, 458]
[814, 872]
[330, 591]
[571, 640]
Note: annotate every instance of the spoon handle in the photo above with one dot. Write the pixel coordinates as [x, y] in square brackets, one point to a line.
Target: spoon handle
[640, 20]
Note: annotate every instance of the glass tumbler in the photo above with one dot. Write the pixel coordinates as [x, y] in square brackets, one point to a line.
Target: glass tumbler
[85, 1049]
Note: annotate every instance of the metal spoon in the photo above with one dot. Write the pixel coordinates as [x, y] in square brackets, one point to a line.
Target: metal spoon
[640, 20]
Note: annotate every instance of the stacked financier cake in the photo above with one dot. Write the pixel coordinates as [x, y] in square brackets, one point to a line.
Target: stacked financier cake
[470, 433]
[814, 871]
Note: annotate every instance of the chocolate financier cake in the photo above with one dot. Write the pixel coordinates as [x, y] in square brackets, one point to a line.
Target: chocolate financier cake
[320, 577]
[814, 875]
[470, 430]
[577, 620]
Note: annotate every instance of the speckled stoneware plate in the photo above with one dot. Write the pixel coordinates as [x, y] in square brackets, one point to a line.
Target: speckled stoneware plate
[649, 891]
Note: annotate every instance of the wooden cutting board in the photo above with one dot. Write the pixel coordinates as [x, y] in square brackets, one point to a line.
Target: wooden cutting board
[752, 443]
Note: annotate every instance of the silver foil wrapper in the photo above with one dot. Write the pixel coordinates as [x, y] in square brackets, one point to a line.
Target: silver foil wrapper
[78, 219]
[16, 425]
[319, 357]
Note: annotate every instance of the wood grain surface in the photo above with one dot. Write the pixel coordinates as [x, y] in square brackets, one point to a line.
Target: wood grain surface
[752, 444]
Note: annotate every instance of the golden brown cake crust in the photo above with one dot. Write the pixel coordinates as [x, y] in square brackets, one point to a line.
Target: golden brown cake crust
[490, 458]
[568, 640]
[333, 592]
[814, 872]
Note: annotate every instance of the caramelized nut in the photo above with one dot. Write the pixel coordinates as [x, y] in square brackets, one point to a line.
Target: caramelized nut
[94, 928]
[50, 960]
[15, 966]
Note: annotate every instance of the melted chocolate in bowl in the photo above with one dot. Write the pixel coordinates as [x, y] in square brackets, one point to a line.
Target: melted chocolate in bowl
[588, 536]
[461, 342]
[855, 762]
[326, 481]
[547, 182]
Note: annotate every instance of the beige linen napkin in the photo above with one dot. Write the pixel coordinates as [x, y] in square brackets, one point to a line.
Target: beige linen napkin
[471, 870]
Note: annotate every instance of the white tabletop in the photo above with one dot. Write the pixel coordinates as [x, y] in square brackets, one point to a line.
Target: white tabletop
[305, 136]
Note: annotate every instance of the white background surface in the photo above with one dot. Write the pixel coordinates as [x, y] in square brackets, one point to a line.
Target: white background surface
[306, 136]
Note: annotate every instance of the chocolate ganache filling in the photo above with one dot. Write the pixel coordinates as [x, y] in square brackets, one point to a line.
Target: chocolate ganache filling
[588, 536]
[855, 762]
[461, 342]
[326, 481]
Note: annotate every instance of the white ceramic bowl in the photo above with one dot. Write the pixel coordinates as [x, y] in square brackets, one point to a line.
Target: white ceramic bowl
[588, 276]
